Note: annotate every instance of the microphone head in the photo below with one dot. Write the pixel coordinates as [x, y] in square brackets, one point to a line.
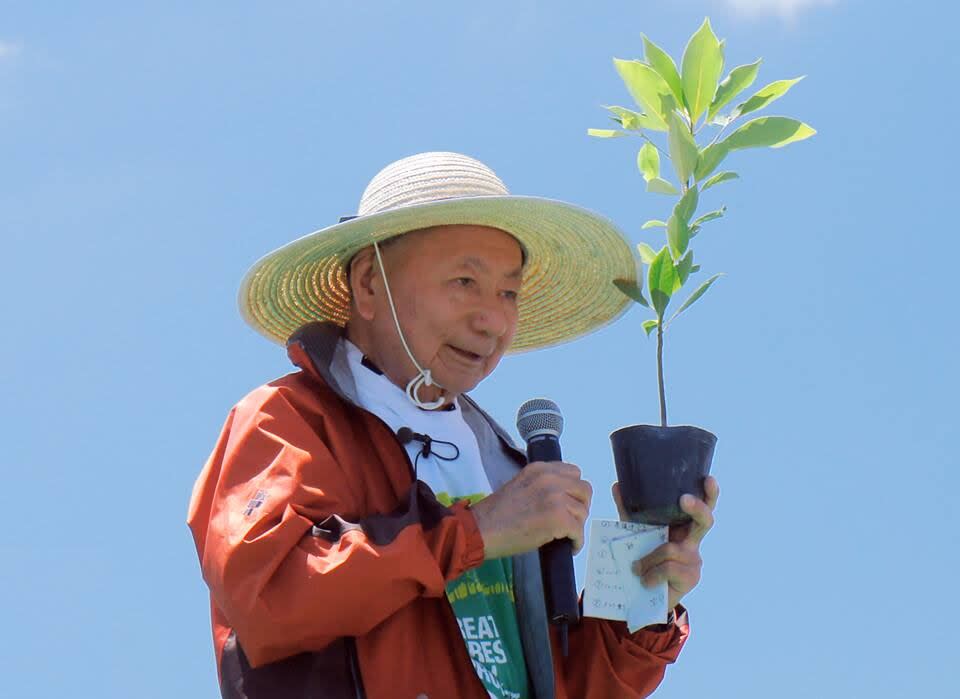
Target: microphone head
[539, 417]
[405, 435]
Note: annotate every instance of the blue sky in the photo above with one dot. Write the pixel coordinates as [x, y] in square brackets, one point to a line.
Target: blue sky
[150, 152]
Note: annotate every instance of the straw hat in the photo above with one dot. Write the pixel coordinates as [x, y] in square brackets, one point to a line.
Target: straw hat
[572, 255]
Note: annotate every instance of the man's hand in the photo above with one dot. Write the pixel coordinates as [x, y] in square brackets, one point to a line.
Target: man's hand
[678, 561]
[545, 501]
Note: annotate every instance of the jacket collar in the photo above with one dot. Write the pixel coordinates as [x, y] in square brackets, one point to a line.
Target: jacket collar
[316, 349]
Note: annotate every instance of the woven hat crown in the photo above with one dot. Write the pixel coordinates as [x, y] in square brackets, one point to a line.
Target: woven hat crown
[572, 254]
[428, 177]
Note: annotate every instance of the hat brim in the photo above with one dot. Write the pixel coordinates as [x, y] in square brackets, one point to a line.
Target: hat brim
[573, 256]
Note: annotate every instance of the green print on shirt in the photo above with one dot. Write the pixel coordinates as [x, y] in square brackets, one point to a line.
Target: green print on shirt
[483, 602]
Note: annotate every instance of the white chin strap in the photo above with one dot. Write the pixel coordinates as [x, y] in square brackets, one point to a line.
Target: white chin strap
[423, 378]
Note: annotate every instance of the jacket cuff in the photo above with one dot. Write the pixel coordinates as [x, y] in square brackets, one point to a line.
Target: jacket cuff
[473, 554]
[663, 638]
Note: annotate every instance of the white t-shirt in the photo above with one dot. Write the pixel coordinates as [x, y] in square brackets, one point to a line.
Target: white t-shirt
[464, 475]
[482, 598]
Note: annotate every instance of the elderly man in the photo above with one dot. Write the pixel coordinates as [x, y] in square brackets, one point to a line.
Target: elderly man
[365, 529]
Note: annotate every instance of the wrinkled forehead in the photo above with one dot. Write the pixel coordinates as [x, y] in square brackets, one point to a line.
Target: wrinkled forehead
[423, 241]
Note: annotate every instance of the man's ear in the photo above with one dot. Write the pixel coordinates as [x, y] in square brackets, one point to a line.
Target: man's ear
[362, 273]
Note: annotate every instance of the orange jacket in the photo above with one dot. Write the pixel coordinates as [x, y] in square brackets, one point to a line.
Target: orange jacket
[327, 563]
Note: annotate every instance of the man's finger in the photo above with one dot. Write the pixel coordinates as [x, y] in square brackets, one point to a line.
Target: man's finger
[582, 491]
[680, 576]
[664, 553]
[566, 477]
[576, 539]
[577, 544]
[557, 468]
[578, 510]
[701, 514]
[573, 530]
[712, 490]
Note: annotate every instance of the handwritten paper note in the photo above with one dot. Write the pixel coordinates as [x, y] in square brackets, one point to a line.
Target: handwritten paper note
[613, 590]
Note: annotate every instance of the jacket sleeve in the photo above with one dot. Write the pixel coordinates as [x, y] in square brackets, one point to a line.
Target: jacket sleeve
[605, 660]
[287, 563]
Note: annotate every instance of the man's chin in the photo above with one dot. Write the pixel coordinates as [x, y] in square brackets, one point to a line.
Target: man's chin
[456, 380]
[452, 389]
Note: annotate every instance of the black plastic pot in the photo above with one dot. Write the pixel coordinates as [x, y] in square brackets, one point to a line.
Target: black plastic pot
[656, 465]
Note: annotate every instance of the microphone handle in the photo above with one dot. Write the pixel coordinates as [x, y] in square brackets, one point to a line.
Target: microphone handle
[556, 557]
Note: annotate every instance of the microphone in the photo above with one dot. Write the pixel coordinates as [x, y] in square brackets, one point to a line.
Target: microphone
[406, 435]
[540, 424]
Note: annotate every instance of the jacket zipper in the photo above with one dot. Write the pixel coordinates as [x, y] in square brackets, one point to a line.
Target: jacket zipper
[354, 660]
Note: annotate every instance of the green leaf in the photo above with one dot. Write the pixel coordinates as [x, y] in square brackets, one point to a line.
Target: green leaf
[605, 133]
[710, 159]
[774, 132]
[765, 96]
[661, 62]
[678, 235]
[647, 253]
[718, 178]
[648, 160]
[710, 216]
[661, 186]
[654, 223]
[661, 277]
[648, 89]
[701, 290]
[683, 268]
[687, 205]
[740, 79]
[629, 119]
[631, 290]
[694, 269]
[649, 325]
[701, 66]
[683, 149]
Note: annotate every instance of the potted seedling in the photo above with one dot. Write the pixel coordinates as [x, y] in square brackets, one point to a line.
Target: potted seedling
[688, 110]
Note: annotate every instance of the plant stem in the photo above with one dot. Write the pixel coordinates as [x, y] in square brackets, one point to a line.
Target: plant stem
[648, 140]
[663, 398]
[720, 132]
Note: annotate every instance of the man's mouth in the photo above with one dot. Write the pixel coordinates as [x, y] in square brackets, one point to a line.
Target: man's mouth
[469, 356]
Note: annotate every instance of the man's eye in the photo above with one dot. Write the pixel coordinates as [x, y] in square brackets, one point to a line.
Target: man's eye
[510, 294]
[464, 281]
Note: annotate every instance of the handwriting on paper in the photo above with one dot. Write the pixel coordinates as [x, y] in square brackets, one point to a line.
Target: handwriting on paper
[613, 590]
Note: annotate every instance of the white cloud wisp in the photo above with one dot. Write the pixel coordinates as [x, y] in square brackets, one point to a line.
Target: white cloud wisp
[8, 49]
[784, 8]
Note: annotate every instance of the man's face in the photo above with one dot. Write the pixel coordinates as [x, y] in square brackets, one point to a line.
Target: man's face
[455, 291]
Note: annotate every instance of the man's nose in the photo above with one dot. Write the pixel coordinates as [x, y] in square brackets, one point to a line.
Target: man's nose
[491, 317]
